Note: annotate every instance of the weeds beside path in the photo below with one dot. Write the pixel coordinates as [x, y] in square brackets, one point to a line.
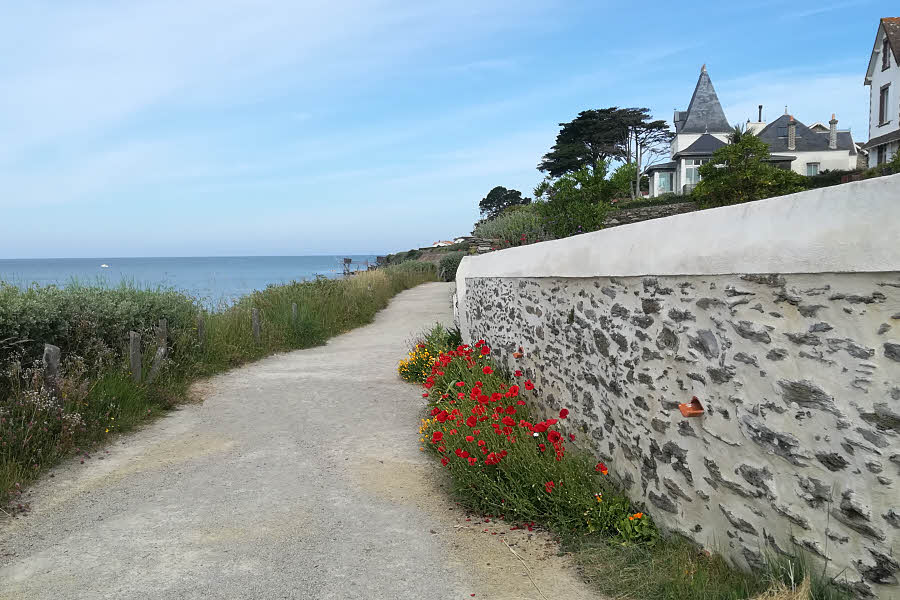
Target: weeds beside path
[298, 477]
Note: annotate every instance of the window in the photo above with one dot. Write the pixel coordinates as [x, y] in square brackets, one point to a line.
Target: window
[664, 182]
[885, 55]
[812, 169]
[782, 132]
[692, 170]
[883, 105]
[882, 158]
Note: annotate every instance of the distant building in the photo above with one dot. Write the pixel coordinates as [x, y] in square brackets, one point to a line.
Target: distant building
[883, 79]
[703, 128]
[441, 243]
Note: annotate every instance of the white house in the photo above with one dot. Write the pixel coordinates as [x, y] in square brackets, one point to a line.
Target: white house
[703, 128]
[883, 79]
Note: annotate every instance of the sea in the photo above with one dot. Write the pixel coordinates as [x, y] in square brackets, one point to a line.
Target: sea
[211, 279]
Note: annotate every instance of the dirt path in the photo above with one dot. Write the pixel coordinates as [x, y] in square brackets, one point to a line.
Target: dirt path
[300, 476]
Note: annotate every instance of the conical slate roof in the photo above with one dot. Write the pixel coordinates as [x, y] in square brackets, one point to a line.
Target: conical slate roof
[704, 114]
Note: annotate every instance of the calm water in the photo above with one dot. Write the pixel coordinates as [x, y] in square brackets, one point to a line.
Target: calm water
[213, 279]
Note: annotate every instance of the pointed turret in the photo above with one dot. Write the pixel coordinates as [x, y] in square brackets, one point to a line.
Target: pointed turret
[704, 114]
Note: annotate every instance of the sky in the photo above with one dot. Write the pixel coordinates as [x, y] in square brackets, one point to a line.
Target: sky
[226, 127]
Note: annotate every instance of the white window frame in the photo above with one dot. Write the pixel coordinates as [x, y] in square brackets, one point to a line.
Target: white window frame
[693, 164]
[812, 166]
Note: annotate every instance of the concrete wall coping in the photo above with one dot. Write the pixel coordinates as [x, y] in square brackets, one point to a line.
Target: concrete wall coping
[853, 227]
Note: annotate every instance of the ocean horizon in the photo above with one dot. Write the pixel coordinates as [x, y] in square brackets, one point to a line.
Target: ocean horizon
[212, 279]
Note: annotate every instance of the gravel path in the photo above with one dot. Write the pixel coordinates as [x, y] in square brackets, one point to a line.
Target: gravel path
[299, 476]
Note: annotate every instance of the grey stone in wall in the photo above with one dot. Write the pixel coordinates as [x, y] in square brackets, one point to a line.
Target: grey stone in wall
[800, 441]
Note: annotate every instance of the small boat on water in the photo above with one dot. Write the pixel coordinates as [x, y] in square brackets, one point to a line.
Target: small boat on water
[104, 266]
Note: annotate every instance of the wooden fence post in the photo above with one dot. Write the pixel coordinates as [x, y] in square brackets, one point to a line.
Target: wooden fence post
[293, 312]
[158, 359]
[134, 353]
[51, 367]
[201, 329]
[254, 319]
[162, 335]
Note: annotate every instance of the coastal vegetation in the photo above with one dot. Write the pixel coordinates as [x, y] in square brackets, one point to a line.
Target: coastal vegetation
[95, 396]
[506, 462]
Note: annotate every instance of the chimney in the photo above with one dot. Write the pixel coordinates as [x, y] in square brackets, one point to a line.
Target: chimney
[792, 134]
[759, 120]
[832, 133]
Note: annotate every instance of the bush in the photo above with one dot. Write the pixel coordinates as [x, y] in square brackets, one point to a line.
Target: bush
[576, 202]
[739, 172]
[829, 177]
[514, 226]
[449, 264]
[502, 461]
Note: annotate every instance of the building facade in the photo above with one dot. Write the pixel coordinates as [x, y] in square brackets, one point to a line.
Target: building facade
[703, 128]
[883, 79]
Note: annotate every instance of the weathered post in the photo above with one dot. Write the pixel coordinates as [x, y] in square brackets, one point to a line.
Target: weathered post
[293, 312]
[51, 368]
[201, 329]
[134, 354]
[158, 359]
[254, 319]
[162, 335]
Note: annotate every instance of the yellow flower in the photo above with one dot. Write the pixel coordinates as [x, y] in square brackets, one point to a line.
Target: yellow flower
[107, 431]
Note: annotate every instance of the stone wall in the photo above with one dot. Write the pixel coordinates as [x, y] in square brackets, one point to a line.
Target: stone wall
[799, 377]
[627, 216]
[781, 316]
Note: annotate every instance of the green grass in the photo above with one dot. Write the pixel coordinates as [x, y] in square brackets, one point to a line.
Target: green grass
[90, 324]
[675, 569]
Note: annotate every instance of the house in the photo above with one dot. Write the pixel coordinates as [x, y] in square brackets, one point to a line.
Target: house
[441, 243]
[883, 79]
[703, 128]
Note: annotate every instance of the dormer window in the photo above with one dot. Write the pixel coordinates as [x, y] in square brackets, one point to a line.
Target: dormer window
[782, 131]
[885, 55]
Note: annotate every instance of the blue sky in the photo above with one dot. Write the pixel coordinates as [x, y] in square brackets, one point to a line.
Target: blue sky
[219, 127]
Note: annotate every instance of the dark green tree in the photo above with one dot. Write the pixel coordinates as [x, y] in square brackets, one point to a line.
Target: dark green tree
[500, 198]
[741, 172]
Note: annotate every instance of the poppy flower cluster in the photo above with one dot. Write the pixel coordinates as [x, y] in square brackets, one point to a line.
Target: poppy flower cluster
[503, 460]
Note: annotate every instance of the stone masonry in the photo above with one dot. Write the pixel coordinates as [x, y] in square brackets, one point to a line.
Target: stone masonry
[799, 376]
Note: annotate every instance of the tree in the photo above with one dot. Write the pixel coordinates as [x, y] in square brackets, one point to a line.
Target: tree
[740, 172]
[500, 198]
[625, 134]
[592, 136]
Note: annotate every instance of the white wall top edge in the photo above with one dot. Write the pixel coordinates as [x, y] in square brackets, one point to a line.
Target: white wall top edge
[853, 227]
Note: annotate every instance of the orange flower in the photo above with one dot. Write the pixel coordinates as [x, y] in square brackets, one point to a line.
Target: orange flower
[638, 515]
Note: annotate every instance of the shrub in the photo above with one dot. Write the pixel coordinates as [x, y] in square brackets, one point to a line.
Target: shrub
[514, 226]
[503, 461]
[829, 177]
[449, 264]
[576, 202]
[739, 172]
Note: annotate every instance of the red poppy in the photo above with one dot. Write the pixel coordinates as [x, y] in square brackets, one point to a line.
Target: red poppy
[513, 391]
[469, 438]
[551, 421]
[542, 447]
[460, 383]
[549, 486]
[472, 460]
[520, 402]
[487, 370]
[510, 410]
[481, 442]
[571, 437]
[508, 421]
[553, 437]
[445, 461]
[478, 384]
[435, 411]
[485, 350]
[471, 421]
[529, 385]
[564, 413]
[518, 373]
[601, 468]
[479, 343]
[540, 428]
[442, 416]
[452, 432]
[436, 437]
[425, 395]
